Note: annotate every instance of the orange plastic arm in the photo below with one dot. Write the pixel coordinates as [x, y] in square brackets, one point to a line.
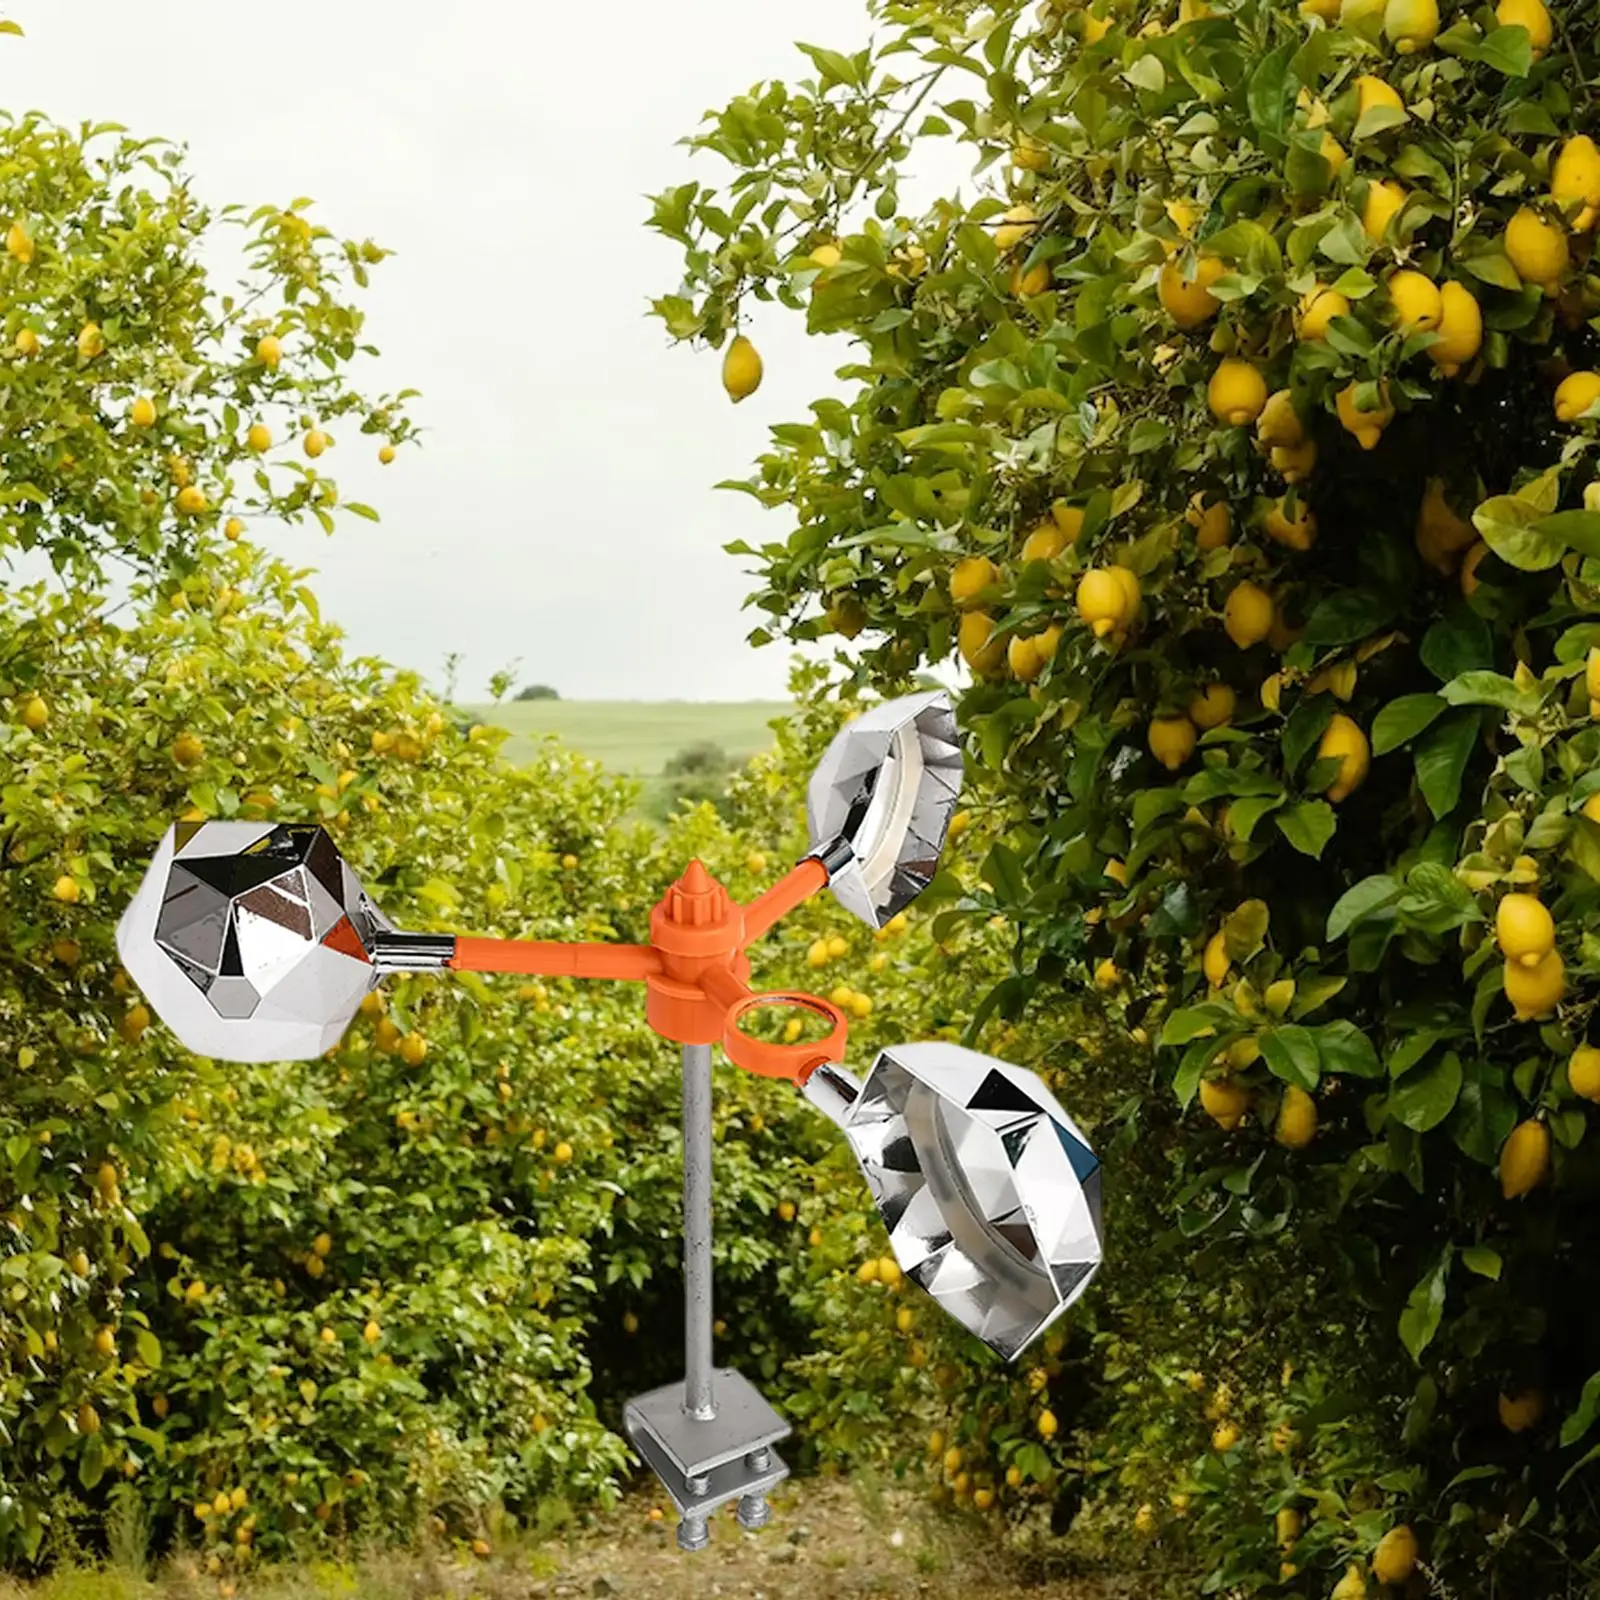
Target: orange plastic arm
[545, 959]
[796, 885]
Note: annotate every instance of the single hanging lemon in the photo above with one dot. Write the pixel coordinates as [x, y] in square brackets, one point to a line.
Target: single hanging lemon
[1297, 1119]
[1536, 249]
[1524, 1159]
[1236, 393]
[1534, 991]
[1318, 307]
[1247, 615]
[1188, 301]
[1575, 394]
[741, 369]
[1524, 929]
[1367, 426]
[1575, 181]
[1460, 329]
[1415, 299]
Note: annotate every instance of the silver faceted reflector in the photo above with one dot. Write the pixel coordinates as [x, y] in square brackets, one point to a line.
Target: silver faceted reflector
[990, 1193]
[885, 788]
[251, 940]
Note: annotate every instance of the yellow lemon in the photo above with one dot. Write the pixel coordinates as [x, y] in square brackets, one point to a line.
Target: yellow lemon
[1536, 248]
[1144, 1520]
[1236, 393]
[981, 652]
[1367, 426]
[1288, 1525]
[1538, 989]
[970, 577]
[1529, 14]
[1211, 523]
[1343, 739]
[1372, 91]
[1247, 615]
[1583, 1072]
[1395, 1559]
[1352, 1586]
[19, 243]
[1460, 329]
[1095, 28]
[1018, 224]
[1212, 707]
[741, 369]
[269, 350]
[1224, 1437]
[191, 501]
[1519, 1414]
[91, 341]
[1045, 543]
[142, 413]
[1328, 10]
[1216, 961]
[1575, 394]
[1028, 155]
[1279, 422]
[1294, 463]
[1332, 152]
[1101, 600]
[1591, 674]
[826, 255]
[1415, 300]
[1524, 929]
[1025, 285]
[1297, 1119]
[1591, 808]
[1411, 25]
[1318, 307]
[1224, 1101]
[1024, 659]
[27, 343]
[1172, 741]
[1524, 1159]
[1047, 1424]
[1188, 301]
[1384, 201]
[1069, 519]
[1106, 975]
[1575, 182]
[1299, 534]
[1439, 521]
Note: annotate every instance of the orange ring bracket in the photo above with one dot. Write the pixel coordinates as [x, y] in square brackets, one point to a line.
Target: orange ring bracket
[695, 970]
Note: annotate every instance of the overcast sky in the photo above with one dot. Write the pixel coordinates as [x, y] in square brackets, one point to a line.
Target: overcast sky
[561, 509]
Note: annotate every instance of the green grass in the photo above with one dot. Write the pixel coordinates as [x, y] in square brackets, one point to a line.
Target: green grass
[636, 737]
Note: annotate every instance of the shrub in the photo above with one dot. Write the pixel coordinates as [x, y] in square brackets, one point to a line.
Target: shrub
[1236, 438]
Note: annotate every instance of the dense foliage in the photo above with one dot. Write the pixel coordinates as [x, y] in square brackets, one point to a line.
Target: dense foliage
[1239, 435]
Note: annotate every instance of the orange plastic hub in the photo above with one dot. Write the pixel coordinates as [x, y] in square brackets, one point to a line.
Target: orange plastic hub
[695, 970]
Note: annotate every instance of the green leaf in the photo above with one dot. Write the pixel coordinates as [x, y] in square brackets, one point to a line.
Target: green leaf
[1344, 1050]
[1270, 96]
[1426, 1095]
[1291, 1054]
[1510, 528]
[1403, 719]
[1508, 50]
[1002, 871]
[1442, 754]
[1349, 615]
[1485, 1262]
[1192, 1022]
[1378, 119]
[1582, 1417]
[1458, 642]
[148, 1347]
[1576, 530]
[1361, 900]
[1419, 1322]
[1490, 689]
[1308, 826]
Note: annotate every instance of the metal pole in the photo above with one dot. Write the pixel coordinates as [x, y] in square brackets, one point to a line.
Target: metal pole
[698, 1399]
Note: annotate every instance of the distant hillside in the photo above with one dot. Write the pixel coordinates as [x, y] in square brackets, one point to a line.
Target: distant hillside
[633, 736]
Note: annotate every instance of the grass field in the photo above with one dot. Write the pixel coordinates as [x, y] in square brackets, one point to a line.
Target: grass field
[632, 736]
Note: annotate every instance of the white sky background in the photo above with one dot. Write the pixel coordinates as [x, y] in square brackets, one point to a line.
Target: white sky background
[560, 509]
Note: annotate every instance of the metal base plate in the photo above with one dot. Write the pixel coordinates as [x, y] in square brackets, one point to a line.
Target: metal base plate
[713, 1454]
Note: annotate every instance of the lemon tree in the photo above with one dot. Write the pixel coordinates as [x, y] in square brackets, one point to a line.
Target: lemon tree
[161, 407]
[1236, 433]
